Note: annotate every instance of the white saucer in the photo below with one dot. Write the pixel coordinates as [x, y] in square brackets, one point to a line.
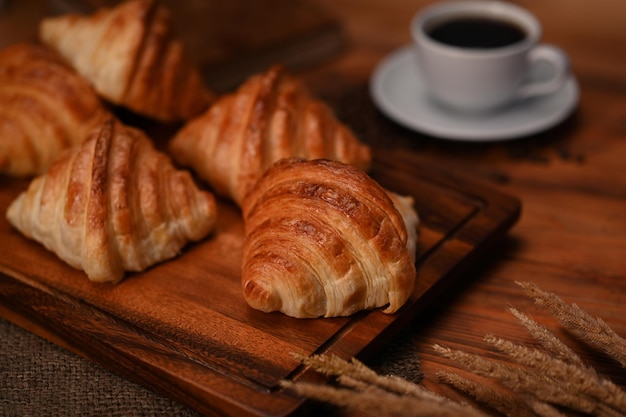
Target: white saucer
[398, 92]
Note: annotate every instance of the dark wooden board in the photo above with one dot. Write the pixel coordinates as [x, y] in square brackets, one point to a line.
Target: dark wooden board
[182, 328]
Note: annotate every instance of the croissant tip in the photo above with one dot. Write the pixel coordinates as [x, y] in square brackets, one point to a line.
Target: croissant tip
[261, 297]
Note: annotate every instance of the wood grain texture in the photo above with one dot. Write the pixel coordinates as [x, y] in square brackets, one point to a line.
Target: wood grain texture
[183, 328]
[571, 236]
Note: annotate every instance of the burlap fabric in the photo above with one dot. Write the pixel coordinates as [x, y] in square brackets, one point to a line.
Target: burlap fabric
[40, 379]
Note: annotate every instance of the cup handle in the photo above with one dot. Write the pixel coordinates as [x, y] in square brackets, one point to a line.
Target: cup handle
[560, 63]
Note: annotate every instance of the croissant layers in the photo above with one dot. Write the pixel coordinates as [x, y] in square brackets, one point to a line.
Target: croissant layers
[113, 204]
[270, 117]
[324, 239]
[131, 56]
[45, 107]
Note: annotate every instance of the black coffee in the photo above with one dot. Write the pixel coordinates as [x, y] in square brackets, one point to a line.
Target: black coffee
[477, 32]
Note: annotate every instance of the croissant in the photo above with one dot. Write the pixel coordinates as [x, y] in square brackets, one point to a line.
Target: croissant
[131, 56]
[113, 204]
[270, 117]
[322, 238]
[45, 107]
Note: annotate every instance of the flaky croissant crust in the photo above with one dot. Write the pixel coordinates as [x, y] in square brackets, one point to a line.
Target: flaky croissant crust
[324, 239]
[113, 204]
[270, 117]
[45, 107]
[133, 58]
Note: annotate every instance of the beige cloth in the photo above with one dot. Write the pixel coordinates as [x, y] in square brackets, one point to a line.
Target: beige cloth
[40, 379]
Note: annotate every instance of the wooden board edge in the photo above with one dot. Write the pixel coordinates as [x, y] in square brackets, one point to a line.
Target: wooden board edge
[499, 209]
[44, 314]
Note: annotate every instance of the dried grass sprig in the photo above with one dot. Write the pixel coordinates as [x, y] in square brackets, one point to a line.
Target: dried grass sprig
[545, 410]
[588, 328]
[519, 380]
[576, 380]
[356, 378]
[557, 375]
[509, 405]
[379, 402]
[548, 341]
[540, 382]
[333, 365]
[506, 373]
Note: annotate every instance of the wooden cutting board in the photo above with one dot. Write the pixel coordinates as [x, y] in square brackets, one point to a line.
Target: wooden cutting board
[182, 328]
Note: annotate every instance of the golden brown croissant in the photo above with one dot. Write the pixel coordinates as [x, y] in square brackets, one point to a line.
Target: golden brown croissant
[324, 239]
[270, 117]
[113, 204]
[45, 107]
[130, 55]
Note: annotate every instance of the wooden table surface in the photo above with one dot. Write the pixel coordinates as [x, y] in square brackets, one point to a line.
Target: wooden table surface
[571, 179]
[571, 237]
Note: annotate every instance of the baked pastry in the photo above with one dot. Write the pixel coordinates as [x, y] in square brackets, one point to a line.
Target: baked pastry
[133, 59]
[322, 238]
[270, 117]
[45, 107]
[113, 204]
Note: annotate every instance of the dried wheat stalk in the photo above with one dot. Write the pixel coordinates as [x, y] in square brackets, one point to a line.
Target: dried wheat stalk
[335, 366]
[357, 371]
[579, 381]
[557, 375]
[509, 405]
[519, 379]
[361, 388]
[541, 383]
[375, 401]
[592, 330]
[545, 410]
[547, 339]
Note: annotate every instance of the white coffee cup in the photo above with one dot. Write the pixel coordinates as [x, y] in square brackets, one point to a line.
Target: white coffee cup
[480, 77]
